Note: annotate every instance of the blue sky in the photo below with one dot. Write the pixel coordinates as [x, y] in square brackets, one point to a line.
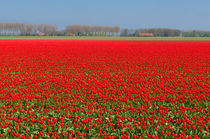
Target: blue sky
[180, 14]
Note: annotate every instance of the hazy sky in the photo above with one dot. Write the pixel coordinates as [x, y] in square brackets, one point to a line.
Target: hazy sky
[180, 14]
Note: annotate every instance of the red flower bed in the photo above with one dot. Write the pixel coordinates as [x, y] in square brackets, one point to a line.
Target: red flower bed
[104, 89]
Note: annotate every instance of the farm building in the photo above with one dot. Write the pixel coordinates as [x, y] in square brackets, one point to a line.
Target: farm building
[70, 34]
[146, 34]
[42, 34]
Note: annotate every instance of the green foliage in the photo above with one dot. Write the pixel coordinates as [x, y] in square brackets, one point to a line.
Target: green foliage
[196, 33]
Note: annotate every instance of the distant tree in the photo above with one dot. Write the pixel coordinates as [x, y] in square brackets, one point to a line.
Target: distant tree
[117, 30]
[124, 32]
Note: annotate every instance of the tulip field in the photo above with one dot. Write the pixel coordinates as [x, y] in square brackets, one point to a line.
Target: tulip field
[104, 89]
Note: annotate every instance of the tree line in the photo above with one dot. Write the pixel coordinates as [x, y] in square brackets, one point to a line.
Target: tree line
[25, 29]
[157, 32]
[12, 29]
[196, 33]
[160, 32]
[165, 32]
[88, 30]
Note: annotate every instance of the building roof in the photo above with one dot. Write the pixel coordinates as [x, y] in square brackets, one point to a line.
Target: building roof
[146, 34]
